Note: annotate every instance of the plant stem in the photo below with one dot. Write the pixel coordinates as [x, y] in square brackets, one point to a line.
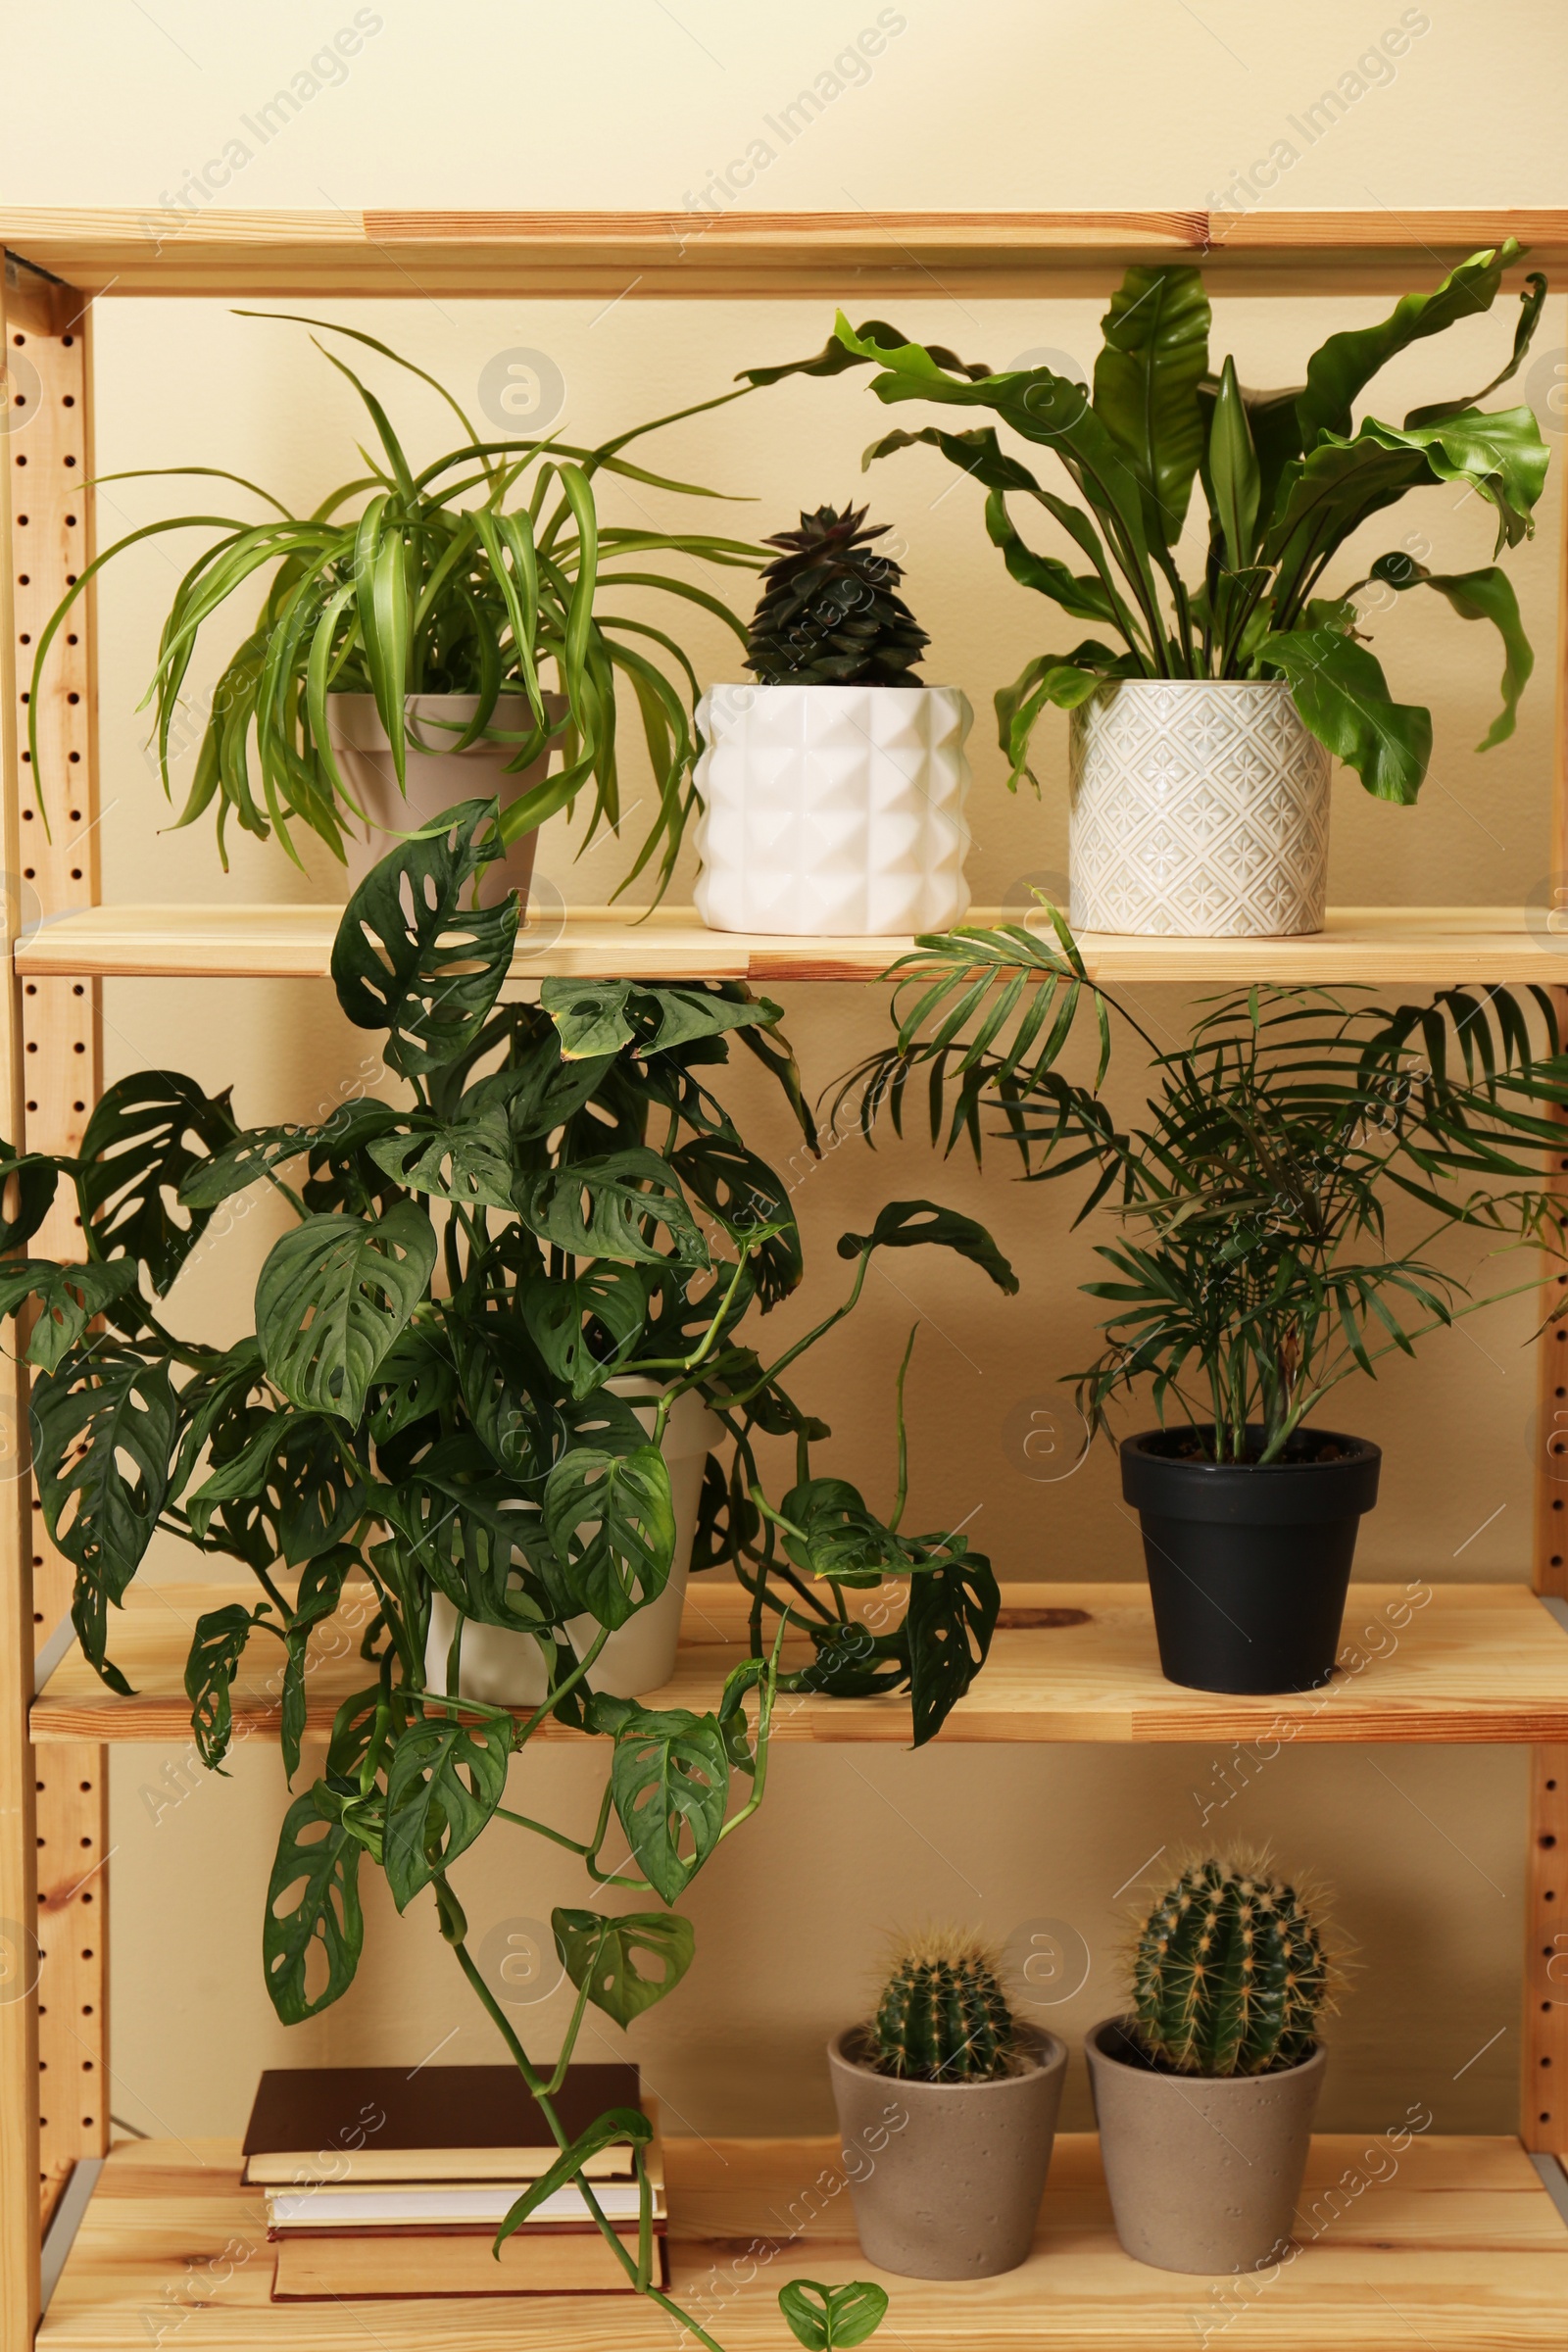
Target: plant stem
[902, 1496]
[543, 2094]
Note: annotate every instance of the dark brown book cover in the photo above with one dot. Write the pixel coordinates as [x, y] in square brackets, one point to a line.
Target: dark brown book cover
[321, 2117]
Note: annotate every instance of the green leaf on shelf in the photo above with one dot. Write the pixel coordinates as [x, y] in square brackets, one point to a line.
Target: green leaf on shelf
[104, 1431]
[412, 958]
[138, 1154]
[671, 1782]
[831, 2318]
[616, 2125]
[69, 1297]
[445, 1782]
[217, 1647]
[612, 1526]
[314, 1923]
[627, 1963]
[332, 1297]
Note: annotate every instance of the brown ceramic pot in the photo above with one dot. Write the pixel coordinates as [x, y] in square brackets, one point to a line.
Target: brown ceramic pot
[946, 2177]
[436, 777]
[1205, 2173]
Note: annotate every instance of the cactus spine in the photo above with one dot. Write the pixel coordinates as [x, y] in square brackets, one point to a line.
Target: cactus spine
[943, 2016]
[1230, 1976]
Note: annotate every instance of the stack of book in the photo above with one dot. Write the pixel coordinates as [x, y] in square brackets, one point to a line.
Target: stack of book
[382, 2182]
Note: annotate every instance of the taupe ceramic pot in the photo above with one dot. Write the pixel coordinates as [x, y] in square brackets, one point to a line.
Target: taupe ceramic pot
[946, 2177]
[437, 777]
[1204, 2174]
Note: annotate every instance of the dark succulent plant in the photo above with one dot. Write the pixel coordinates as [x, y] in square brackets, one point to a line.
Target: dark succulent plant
[830, 615]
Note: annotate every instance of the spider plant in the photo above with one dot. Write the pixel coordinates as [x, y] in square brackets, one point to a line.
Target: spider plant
[1287, 478]
[1255, 1270]
[478, 574]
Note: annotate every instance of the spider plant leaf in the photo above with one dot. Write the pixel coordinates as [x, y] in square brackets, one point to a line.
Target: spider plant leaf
[328, 326]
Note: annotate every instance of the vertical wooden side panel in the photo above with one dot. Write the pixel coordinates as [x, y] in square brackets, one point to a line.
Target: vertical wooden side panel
[19, 2023]
[1544, 2085]
[1544, 2092]
[1551, 1426]
[50, 461]
[50, 467]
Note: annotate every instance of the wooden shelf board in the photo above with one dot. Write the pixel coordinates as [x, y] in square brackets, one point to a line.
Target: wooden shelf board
[848, 256]
[1419, 1662]
[1456, 2245]
[1382, 947]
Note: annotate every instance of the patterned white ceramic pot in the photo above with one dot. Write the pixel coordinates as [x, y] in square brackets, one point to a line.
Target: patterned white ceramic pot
[1200, 808]
[833, 811]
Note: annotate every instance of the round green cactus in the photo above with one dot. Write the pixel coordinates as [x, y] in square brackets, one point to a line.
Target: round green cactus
[1230, 1976]
[943, 2016]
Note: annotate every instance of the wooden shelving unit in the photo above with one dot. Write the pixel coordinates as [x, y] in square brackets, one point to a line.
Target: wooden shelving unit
[1459, 2247]
[835, 256]
[1419, 1662]
[1380, 947]
[1466, 2243]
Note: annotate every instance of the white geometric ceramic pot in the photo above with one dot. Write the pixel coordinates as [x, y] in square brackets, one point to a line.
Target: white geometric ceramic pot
[505, 1669]
[437, 776]
[1199, 808]
[833, 811]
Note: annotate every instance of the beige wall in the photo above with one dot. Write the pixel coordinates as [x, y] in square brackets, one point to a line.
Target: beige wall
[998, 103]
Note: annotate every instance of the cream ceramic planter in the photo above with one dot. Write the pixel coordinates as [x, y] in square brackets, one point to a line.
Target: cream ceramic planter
[505, 1669]
[437, 777]
[946, 2177]
[1200, 809]
[833, 811]
[1204, 2174]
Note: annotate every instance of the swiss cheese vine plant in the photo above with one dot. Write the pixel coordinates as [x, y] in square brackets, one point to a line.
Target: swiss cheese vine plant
[487, 572]
[1288, 476]
[555, 1200]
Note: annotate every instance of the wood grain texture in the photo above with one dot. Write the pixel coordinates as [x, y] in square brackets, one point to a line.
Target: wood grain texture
[1391, 946]
[52, 462]
[1421, 1662]
[848, 256]
[1543, 2083]
[19, 2023]
[1456, 2244]
[72, 1817]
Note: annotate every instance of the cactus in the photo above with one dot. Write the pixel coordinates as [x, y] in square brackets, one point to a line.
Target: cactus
[1230, 1974]
[943, 2016]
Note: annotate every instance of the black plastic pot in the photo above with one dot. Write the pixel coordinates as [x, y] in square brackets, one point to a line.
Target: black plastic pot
[1248, 1564]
